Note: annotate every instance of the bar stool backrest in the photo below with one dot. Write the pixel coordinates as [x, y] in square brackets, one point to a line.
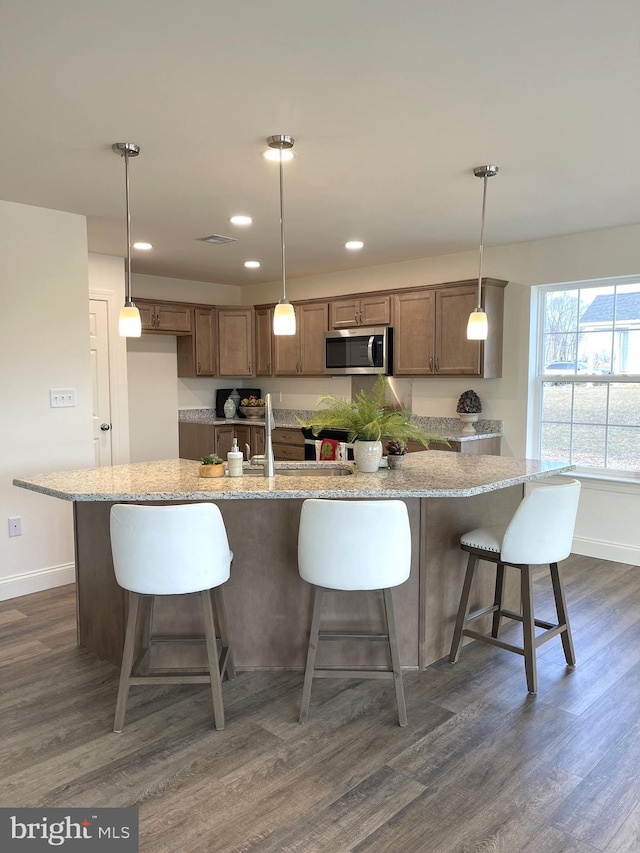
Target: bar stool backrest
[169, 550]
[541, 530]
[354, 544]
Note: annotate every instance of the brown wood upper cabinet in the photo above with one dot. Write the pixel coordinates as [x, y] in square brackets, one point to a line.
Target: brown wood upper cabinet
[264, 342]
[372, 310]
[302, 354]
[235, 341]
[430, 331]
[166, 317]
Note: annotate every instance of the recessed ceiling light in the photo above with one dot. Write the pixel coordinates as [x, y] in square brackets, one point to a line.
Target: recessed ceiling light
[354, 244]
[144, 247]
[252, 265]
[275, 153]
[241, 220]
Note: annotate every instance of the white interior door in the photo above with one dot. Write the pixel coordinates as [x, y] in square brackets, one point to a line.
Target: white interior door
[99, 337]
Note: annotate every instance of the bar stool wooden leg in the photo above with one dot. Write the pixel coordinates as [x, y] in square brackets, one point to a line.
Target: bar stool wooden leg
[498, 600]
[127, 662]
[563, 616]
[395, 657]
[463, 610]
[226, 658]
[528, 629]
[212, 656]
[311, 654]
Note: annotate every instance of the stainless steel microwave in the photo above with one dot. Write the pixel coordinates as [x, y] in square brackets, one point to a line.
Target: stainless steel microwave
[359, 350]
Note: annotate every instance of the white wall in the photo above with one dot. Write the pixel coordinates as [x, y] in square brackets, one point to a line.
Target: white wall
[44, 344]
[153, 397]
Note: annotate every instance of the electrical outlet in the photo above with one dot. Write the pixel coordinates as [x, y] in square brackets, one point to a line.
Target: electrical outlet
[15, 526]
[62, 398]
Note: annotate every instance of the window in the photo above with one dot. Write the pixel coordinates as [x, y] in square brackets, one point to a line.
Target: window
[588, 375]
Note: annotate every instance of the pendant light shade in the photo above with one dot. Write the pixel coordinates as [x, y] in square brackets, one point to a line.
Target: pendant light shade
[129, 323]
[284, 316]
[478, 327]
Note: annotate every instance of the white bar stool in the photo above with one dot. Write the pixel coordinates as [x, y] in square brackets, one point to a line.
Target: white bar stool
[541, 531]
[354, 545]
[171, 550]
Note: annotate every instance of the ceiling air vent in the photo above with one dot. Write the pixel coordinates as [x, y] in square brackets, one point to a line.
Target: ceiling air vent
[217, 238]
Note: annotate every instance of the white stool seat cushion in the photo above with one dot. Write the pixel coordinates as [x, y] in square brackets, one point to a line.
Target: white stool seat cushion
[486, 538]
[354, 544]
[169, 550]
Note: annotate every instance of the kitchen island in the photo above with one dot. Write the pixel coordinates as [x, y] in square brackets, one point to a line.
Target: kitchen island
[269, 606]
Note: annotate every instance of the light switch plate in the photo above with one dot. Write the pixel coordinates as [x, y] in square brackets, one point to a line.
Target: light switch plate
[62, 398]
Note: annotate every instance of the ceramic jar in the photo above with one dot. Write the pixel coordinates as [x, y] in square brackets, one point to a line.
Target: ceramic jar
[367, 455]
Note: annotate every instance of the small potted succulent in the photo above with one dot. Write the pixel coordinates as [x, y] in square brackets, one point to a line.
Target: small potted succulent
[395, 453]
[468, 409]
[252, 407]
[211, 466]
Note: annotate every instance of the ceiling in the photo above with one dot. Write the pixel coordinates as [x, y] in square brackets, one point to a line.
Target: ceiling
[391, 105]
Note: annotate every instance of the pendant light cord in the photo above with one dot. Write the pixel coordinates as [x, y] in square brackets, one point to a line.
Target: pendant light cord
[126, 180]
[284, 289]
[484, 205]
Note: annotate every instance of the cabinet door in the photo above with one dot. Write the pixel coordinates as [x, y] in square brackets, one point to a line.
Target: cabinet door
[286, 351]
[173, 318]
[413, 341]
[257, 440]
[243, 434]
[454, 354]
[264, 338]
[314, 322]
[344, 313]
[235, 341]
[195, 440]
[147, 314]
[288, 452]
[205, 349]
[224, 440]
[375, 310]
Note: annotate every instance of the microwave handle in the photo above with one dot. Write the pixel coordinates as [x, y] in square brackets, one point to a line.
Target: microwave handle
[370, 350]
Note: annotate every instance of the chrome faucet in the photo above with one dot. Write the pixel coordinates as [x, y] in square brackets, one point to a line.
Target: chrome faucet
[266, 459]
[269, 462]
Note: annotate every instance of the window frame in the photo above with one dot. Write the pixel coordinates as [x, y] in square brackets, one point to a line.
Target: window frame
[538, 377]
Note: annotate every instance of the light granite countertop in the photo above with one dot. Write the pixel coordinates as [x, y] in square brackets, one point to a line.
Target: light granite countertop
[426, 474]
[449, 428]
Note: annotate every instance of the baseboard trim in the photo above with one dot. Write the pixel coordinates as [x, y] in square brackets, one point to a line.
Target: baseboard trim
[603, 550]
[17, 585]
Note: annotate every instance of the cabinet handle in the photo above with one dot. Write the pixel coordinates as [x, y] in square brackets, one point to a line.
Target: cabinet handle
[268, 367]
[249, 367]
[431, 365]
[360, 317]
[437, 365]
[198, 368]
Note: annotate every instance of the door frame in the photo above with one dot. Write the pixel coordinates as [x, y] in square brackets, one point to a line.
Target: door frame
[118, 390]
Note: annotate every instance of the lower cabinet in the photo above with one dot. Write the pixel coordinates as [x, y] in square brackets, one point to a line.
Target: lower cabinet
[196, 440]
[479, 447]
[288, 444]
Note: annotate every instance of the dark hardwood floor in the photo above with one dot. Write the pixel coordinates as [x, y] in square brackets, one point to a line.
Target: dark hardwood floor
[482, 766]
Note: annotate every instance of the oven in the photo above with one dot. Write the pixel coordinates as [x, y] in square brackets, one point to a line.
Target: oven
[334, 434]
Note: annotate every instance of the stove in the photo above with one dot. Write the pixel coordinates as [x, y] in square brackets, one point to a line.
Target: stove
[335, 434]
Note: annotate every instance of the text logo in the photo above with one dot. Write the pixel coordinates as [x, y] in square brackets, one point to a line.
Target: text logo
[73, 830]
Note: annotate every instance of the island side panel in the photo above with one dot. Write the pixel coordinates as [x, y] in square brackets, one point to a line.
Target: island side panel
[268, 604]
[443, 565]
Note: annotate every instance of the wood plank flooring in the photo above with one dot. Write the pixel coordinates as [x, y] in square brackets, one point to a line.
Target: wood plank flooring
[482, 766]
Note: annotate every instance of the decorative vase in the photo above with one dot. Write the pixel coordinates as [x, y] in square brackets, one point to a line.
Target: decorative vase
[367, 455]
[212, 470]
[252, 412]
[229, 408]
[395, 460]
[236, 398]
[468, 419]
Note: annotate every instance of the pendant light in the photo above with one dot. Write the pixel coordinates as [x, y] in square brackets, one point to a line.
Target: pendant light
[477, 327]
[129, 323]
[284, 315]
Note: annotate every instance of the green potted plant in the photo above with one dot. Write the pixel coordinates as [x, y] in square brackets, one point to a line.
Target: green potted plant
[368, 419]
[211, 466]
[468, 409]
